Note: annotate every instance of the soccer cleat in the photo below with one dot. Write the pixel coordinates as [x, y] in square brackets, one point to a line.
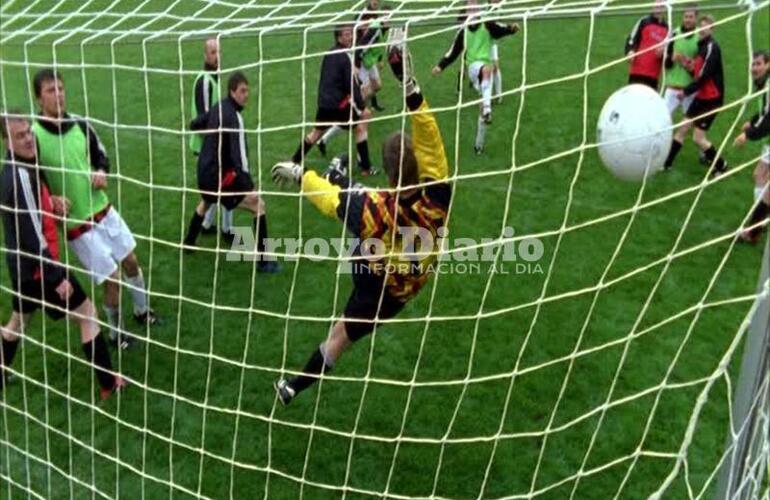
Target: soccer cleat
[715, 172]
[121, 341]
[147, 318]
[369, 172]
[268, 267]
[321, 147]
[478, 150]
[284, 391]
[209, 230]
[120, 384]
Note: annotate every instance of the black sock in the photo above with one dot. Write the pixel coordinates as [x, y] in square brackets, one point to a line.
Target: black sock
[194, 230]
[6, 356]
[314, 367]
[675, 147]
[375, 104]
[711, 156]
[302, 151]
[363, 155]
[758, 215]
[260, 228]
[97, 353]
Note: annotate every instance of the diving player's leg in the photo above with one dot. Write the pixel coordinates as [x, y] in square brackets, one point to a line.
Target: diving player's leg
[362, 310]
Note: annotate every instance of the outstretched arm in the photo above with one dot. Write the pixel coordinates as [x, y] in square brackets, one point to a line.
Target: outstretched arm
[497, 30]
[458, 45]
[760, 125]
[632, 42]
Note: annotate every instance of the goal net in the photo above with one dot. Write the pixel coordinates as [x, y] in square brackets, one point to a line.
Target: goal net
[581, 336]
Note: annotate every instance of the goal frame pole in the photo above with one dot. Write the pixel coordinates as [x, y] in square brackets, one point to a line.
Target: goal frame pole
[742, 475]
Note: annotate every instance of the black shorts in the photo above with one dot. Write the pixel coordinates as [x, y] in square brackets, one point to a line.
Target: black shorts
[365, 305]
[326, 117]
[239, 183]
[701, 107]
[35, 294]
[644, 80]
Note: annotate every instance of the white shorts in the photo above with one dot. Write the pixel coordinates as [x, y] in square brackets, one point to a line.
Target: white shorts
[671, 96]
[474, 74]
[365, 75]
[104, 247]
[493, 53]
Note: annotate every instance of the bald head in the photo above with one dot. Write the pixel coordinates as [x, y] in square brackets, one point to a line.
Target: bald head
[211, 53]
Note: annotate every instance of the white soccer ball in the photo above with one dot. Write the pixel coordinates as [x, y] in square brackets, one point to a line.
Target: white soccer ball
[634, 132]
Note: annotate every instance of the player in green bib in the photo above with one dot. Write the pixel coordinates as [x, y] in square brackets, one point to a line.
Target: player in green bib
[474, 40]
[76, 166]
[758, 129]
[680, 60]
[205, 95]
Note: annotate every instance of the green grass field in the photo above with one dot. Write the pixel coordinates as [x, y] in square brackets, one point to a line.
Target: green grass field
[463, 399]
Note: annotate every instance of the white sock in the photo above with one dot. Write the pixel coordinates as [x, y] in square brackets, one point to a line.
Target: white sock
[486, 95]
[334, 130]
[498, 80]
[758, 191]
[227, 220]
[209, 217]
[481, 130]
[138, 292]
[113, 320]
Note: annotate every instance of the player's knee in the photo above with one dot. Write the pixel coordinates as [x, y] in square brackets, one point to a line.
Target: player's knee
[315, 134]
[131, 264]
[261, 207]
[699, 137]
[87, 319]
[762, 174]
[337, 342]
[254, 204]
[112, 290]
[14, 329]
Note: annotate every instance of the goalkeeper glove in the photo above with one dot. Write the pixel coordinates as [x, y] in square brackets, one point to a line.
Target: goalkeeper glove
[285, 172]
[401, 60]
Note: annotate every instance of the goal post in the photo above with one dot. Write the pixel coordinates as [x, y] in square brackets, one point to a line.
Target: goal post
[743, 473]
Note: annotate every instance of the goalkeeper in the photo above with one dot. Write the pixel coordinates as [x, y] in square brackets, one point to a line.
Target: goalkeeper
[381, 286]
